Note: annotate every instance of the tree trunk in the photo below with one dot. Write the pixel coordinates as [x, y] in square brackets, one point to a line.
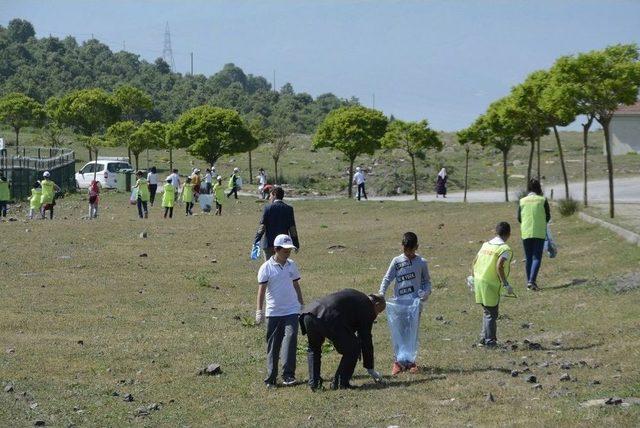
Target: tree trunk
[129, 156]
[585, 148]
[504, 174]
[415, 178]
[466, 173]
[136, 155]
[532, 142]
[91, 155]
[250, 169]
[275, 167]
[147, 159]
[538, 158]
[170, 159]
[564, 169]
[17, 136]
[607, 145]
[351, 161]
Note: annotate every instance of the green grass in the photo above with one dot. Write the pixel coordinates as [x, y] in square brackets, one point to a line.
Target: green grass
[323, 171]
[147, 324]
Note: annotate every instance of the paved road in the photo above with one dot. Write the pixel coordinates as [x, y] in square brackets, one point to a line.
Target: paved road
[626, 190]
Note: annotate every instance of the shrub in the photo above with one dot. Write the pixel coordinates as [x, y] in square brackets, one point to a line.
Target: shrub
[567, 207]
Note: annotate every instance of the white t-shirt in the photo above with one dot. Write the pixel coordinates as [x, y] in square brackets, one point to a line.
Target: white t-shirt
[281, 298]
[207, 178]
[152, 178]
[358, 177]
[262, 180]
[175, 180]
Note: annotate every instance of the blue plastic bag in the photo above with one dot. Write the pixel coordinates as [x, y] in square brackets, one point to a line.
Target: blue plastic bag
[403, 317]
[549, 244]
[255, 252]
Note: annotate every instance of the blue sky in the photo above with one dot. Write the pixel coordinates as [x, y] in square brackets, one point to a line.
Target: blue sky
[445, 61]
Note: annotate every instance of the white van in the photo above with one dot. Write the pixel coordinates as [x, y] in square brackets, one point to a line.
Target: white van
[105, 168]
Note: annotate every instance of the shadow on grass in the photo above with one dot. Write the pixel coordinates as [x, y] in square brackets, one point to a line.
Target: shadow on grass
[573, 282]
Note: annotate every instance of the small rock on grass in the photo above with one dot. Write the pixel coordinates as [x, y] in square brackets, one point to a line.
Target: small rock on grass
[514, 373]
[39, 423]
[8, 387]
[128, 398]
[531, 379]
[143, 234]
[211, 370]
[565, 377]
[144, 255]
[490, 398]
[537, 386]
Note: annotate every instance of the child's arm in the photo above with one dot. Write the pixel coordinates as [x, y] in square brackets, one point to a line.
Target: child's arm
[425, 283]
[386, 280]
[296, 286]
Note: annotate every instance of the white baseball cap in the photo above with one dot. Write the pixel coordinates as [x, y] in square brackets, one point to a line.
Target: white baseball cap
[358, 169]
[219, 177]
[283, 241]
[46, 174]
[235, 170]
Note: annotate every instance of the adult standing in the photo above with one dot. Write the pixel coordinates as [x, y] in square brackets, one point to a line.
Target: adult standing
[233, 183]
[277, 218]
[262, 181]
[49, 189]
[195, 183]
[441, 183]
[175, 182]
[152, 180]
[359, 179]
[533, 215]
[346, 319]
[208, 182]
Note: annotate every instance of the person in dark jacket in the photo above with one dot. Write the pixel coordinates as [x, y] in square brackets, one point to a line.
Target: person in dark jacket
[345, 318]
[441, 183]
[277, 219]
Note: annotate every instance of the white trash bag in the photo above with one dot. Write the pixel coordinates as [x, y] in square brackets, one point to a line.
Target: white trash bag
[403, 317]
[206, 202]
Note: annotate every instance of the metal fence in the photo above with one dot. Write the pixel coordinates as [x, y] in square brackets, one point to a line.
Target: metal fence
[24, 165]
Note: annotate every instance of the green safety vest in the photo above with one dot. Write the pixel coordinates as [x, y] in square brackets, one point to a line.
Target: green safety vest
[219, 192]
[168, 196]
[36, 199]
[4, 191]
[187, 193]
[533, 216]
[48, 191]
[485, 273]
[143, 189]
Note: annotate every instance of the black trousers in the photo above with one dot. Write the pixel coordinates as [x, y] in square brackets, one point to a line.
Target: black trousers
[153, 188]
[361, 191]
[233, 191]
[345, 342]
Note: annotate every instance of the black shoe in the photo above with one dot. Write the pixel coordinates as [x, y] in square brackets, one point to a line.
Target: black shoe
[316, 386]
[335, 386]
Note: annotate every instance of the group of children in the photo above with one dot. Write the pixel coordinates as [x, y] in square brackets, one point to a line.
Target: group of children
[278, 280]
[42, 197]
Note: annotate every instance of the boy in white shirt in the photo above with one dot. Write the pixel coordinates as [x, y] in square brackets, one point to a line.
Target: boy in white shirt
[278, 281]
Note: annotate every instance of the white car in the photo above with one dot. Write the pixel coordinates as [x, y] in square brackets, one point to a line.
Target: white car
[106, 170]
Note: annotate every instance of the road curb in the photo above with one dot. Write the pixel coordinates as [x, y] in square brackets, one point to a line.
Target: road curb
[627, 235]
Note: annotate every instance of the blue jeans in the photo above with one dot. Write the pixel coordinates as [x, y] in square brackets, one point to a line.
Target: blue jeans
[533, 252]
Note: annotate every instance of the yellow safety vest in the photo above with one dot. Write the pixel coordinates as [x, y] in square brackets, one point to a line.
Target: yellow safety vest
[36, 199]
[143, 189]
[48, 191]
[533, 216]
[485, 273]
[219, 192]
[4, 191]
[187, 193]
[168, 196]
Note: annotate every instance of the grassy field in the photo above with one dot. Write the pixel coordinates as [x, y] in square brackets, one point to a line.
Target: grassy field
[308, 171]
[86, 320]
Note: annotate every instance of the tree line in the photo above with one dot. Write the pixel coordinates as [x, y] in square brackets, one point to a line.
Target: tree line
[590, 85]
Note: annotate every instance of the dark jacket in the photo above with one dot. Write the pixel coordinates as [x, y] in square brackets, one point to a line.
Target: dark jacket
[277, 218]
[350, 309]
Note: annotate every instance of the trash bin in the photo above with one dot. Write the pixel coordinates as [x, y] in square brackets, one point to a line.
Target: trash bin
[123, 180]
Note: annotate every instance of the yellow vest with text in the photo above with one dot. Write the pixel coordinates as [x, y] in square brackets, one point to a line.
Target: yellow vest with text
[219, 192]
[168, 196]
[533, 216]
[187, 193]
[48, 191]
[485, 273]
[4, 191]
[36, 199]
[143, 189]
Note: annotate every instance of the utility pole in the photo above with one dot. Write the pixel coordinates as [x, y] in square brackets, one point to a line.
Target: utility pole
[192, 63]
[167, 53]
[373, 100]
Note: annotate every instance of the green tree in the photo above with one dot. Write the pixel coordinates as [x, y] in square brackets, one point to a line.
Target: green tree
[53, 129]
[18, 110]
[120, 134]
[148, 135]
[467, 137]
[414, 138]
[352, 131]
[89, 112]
[20, 31]
[210, 132]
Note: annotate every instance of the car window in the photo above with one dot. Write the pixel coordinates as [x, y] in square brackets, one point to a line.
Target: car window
[100, 167]
[87, 169]
[117, 166]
